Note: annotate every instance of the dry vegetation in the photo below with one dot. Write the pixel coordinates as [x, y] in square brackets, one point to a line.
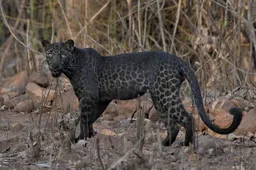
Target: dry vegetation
[217, 37]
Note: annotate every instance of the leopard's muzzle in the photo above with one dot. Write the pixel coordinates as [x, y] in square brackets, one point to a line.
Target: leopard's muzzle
[56, 71]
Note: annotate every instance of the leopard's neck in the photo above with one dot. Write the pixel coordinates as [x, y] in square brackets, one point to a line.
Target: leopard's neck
[75, 64]
[83, 65]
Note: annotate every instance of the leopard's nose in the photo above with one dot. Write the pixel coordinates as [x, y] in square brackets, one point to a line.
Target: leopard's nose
[54, 67]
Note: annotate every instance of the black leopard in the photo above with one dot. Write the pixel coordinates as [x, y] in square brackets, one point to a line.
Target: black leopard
[99, 79]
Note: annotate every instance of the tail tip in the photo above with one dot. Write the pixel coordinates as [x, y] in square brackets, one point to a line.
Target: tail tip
[236, 112]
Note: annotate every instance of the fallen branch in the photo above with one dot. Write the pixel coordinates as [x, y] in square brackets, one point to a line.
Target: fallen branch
[126, 155]
[98, 153]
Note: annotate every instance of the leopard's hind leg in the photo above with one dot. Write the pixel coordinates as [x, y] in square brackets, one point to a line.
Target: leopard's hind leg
[165, 96]
[170, 124]
[172, 132]
[178, 114]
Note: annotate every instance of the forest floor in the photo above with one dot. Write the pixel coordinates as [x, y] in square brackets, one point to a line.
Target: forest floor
[115, 145]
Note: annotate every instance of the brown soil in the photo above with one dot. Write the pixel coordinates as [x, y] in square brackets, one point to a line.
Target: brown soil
[118, 147]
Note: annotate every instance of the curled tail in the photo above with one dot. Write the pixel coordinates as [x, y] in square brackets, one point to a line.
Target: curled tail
[236, 112]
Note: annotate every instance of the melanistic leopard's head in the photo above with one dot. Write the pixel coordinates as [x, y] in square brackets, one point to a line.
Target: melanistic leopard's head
[58, 56]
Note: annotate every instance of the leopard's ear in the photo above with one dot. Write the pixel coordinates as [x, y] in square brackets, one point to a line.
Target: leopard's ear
[70, 44]
[45, 43]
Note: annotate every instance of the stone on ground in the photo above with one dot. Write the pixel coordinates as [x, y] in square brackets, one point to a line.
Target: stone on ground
[39, 94]
[40, 78]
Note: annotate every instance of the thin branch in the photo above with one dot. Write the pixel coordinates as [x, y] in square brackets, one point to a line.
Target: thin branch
[161, 25]
[100, 45]
[10, 39]
[14, 36]
[65, 17]
[176, 24]
[98, 153]
[95, 15]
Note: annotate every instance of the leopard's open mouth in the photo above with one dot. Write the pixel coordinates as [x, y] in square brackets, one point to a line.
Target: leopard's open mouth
[56, 73]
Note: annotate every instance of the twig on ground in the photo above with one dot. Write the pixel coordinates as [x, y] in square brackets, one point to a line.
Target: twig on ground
[126, 155]
[159, 143]
[98, 153]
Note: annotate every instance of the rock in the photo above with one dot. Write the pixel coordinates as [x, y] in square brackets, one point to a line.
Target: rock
[210, 146]
[119, 118]
[153, 115]
[210, 151]
[125, 123]
[232, 137]
[40, 78]
[107, 132]
[67, 100]
[6, 98]
[37, 93]
[52, 149]
[11, 103]
[18, 81]
[126, 107]
[31, 167]
[111, 111]
[221, 104]
[57, 136]
[4, 107]
[248, 123]
[107, 122]
[222, 118]
[239, 102]
[193, 157]
[199, 124]
[84, 162]
[16, 92]
[108, 117]
[79, 145]
[217, 111]
[24, 106]
[16, 127]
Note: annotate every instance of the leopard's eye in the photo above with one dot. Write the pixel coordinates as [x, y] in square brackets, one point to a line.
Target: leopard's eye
[49, 55]
[63, 56]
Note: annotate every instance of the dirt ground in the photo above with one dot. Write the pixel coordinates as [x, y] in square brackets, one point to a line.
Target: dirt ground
[115, 146]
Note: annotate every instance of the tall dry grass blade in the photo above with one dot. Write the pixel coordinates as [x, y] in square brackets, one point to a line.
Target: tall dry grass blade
[145, 27]
[129, 2]
[161, 25]
[66, 19]
[9, 28]
[176, 24]
[10, 39]
[139, 25]
[93, 17]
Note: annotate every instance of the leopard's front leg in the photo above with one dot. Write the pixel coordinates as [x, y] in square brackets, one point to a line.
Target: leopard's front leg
[88, 110]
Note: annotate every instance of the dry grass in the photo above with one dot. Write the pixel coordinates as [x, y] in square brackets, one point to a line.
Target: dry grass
[217, 37]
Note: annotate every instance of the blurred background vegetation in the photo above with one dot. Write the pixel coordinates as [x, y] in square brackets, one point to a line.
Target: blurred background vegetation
[217, 37]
